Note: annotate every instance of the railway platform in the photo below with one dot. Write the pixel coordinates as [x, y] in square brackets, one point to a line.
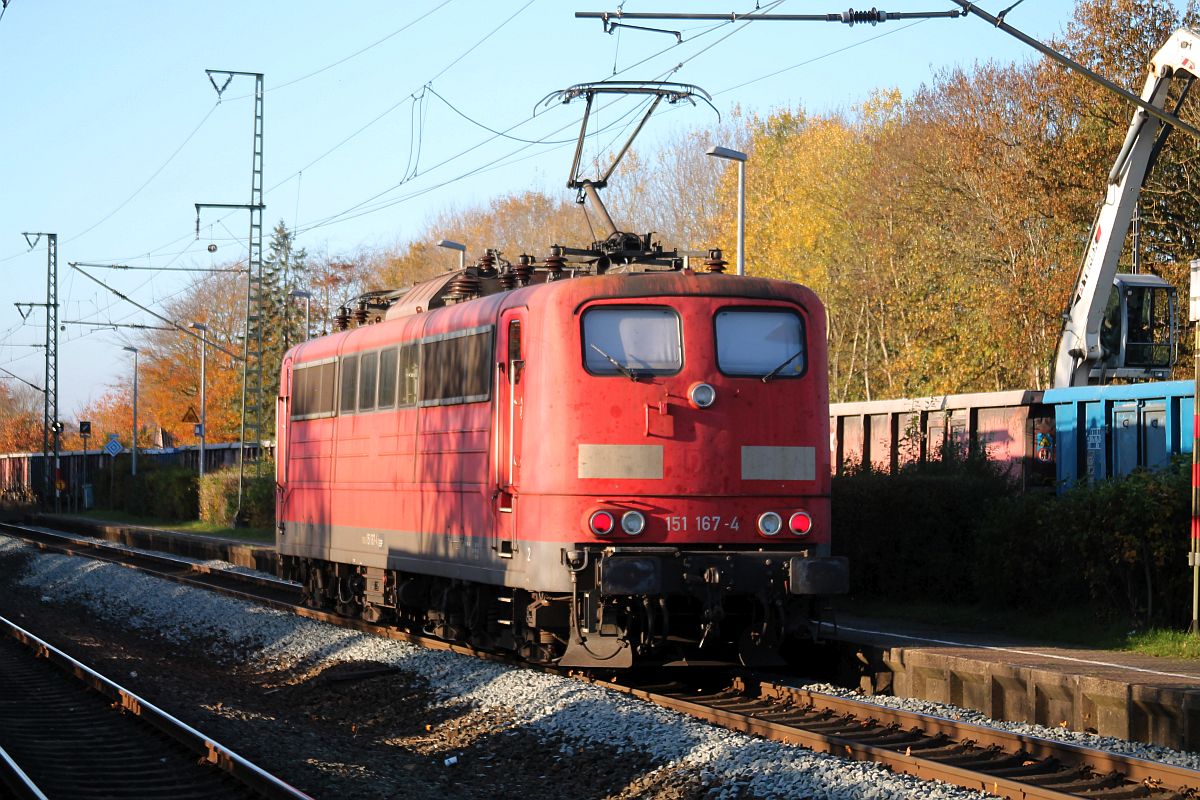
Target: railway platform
[1112, 693]
[200, 546]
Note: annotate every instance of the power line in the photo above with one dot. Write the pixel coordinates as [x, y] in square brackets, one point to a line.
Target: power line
[412, 96]
[473, 47]
[115, 325]
[156, 315]
[347, 214]
[353, 55]
[147, 182]
[14, 375]
[825, 55]
[158, 269]
[358, 53]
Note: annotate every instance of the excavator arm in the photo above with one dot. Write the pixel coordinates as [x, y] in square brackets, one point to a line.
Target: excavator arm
[1098, 337]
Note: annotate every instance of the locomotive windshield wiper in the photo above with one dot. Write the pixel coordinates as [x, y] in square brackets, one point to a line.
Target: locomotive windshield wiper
[626, 371]
[775, 371]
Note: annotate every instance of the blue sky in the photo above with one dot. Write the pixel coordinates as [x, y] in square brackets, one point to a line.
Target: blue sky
[112, 131]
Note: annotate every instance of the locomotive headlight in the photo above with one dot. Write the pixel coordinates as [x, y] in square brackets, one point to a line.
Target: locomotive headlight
[633, 522]
[702, 395]
[602, 523]
[769, 523]
[800, 523]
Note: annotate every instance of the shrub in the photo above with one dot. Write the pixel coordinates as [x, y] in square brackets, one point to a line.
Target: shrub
[913, 534]
[167, 493]
[952, 532]
[219, 497]
[1133, 537]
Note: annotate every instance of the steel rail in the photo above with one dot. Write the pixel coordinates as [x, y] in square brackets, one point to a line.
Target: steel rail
[745, 711]
[1136, 770]
[209, 749]
[765, 715]
[923, 769]
[17, 780]
[71, 544]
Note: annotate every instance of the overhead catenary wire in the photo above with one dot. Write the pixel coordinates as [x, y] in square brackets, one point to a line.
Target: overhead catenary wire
[14, 375]
[115, 325]
[288, 83]
[814, 59]
[413, 98]
[349, 213]
[376, 119]
[93, 265]
[359, 52]
[155, 314]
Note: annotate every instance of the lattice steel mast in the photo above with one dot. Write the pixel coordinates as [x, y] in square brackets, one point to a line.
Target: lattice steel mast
[50, 428]
[252, 364]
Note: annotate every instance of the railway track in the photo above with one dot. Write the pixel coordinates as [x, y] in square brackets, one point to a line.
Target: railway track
[68, 732]
[928, 747]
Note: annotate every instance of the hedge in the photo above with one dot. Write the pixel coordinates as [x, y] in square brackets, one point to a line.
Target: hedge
[167, 493]
[219, 496]
[957, 532]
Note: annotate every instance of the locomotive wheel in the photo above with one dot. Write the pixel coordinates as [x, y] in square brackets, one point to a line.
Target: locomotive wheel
[314, 590]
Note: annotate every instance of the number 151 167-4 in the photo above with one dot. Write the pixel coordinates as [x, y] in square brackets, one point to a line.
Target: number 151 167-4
[701, 522]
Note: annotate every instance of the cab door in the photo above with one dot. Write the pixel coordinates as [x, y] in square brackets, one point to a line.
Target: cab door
[509, 426]
[283, 430]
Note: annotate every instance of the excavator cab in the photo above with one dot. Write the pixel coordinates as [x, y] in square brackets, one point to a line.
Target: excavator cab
[1138, 334]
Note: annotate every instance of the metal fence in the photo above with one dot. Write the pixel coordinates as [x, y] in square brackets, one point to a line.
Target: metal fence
[22, 475]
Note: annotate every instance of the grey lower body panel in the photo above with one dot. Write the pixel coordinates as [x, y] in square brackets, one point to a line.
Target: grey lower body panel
[535, 566]
[539, 566]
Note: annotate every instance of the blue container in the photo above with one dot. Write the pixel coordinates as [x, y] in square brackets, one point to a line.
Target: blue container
[1107, 431]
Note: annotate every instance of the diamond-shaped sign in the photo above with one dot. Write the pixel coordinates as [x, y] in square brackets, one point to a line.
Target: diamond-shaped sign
[113, 448]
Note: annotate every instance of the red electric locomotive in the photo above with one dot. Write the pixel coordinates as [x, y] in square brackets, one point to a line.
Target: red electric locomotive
[587, 469]
[603, 458]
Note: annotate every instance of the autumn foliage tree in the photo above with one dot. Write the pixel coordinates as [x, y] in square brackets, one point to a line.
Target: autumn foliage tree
[169, 372]
[21, 410]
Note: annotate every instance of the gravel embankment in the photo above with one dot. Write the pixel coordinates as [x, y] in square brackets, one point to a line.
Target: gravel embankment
[299, 696]
[545, 736]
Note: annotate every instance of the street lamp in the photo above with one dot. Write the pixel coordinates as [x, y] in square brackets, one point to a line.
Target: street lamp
[461, 248]
[740, 158]
[307, 297]
[133, 465]
[200, 326]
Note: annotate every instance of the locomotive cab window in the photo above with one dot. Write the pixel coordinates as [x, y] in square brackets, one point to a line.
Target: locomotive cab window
[761, 343]
[632, 341]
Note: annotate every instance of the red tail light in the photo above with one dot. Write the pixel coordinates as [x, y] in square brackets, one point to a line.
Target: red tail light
[800, 523]
[602, 523]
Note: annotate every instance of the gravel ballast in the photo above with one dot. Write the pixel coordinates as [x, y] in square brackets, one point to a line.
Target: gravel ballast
[487, 729]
